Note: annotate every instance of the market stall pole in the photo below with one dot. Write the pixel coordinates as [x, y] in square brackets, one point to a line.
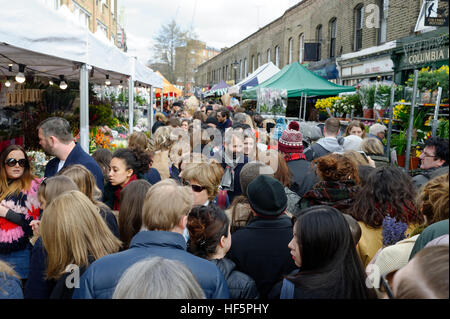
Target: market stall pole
[436, 112]
[130, 104]
[304, 107]
[84, 108]
[300, 107]
[391, 114]
[411, 121]
[150, 111]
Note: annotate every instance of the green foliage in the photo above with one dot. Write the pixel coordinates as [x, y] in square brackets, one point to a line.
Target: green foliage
[100, 115]
[443, 129]
[139, 100]
[55, 99]
[431, 80]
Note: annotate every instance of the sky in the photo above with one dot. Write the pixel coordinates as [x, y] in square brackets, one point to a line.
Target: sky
[219, 23]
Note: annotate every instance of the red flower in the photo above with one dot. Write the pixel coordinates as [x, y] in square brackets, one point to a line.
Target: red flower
[34, 212]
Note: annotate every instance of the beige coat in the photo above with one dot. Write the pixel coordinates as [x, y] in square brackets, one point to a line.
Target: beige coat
[161, 163]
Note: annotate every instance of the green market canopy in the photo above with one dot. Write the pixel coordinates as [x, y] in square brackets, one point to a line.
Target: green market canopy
[219, 89]
[298, 81]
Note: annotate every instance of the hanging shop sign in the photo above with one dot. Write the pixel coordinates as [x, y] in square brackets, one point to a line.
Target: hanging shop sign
[435, 16]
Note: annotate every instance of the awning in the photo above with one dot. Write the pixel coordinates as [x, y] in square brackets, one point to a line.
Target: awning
[218, 89]
[169, 90]
[298, 80]
[261, 74]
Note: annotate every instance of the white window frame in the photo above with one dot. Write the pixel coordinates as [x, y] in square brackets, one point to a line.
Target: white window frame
[80, 12]
[102, 27]
[291, 48]
[259, 59]
[268, 55]
[301, 47]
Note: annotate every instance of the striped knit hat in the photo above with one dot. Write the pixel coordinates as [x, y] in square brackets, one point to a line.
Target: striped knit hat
[291, 139]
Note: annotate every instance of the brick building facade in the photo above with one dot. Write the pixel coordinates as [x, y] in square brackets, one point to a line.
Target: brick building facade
[356, 39]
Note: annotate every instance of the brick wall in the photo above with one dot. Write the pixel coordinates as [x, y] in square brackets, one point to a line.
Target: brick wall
[304, 19]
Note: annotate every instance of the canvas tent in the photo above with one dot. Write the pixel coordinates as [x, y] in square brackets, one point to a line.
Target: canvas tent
[219, 89]
[50, 43]
[169, 90]
[298, 81]
[261, 74]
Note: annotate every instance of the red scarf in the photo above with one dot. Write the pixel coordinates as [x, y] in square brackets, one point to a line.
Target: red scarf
[294, 156]
[119, 189]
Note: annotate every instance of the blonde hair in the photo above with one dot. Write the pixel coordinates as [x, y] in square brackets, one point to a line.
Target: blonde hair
[51, 187]
[138, 140]
[372, 146]
[356, 156]
[208, 174]
[85, 181]
[161, 139]
[7, 269]
[165, 204]
[72, 230]
[160, 116]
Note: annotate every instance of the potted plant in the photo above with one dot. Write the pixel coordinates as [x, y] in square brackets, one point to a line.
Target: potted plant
[367, 97]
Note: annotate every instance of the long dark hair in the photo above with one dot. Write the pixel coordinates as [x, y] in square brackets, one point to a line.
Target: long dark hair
[206, 225]
[130, 211]
[388, 191]
[329, 259]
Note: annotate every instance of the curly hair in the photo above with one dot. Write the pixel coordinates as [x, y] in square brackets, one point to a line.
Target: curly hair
[388, 192]
[136, 159]
[206, 225]
[432, 199]
[336, 167]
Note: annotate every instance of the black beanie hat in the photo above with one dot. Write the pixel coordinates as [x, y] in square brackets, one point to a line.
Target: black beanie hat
[266, 196]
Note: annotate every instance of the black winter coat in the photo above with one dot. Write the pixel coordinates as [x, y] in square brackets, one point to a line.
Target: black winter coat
[240, 285]
[303, 176]
[260, 249]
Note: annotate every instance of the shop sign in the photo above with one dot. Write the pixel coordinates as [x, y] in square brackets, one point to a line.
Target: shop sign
[435, 16]
[428, 56]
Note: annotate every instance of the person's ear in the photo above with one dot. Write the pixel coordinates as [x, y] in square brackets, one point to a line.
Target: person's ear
[183, 222]
[222, 241]
[129, 172]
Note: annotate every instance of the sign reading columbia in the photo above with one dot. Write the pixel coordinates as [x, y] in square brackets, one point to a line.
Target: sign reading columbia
[427, 56]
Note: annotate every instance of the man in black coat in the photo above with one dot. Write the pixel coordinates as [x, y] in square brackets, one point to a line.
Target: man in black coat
[260, 249]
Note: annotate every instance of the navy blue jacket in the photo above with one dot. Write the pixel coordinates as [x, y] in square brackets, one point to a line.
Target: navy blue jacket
[237, 190]
[77, 156]
[100, 279]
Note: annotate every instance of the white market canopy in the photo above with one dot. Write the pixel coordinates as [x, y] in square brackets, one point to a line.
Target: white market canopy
[264, 72]
[51, 43]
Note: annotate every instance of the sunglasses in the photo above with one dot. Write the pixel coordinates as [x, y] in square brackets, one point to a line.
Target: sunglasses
[11, 162]
[195, 188]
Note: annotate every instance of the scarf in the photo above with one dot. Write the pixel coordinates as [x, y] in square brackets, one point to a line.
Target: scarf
[294, 156]
[116, 205]
[339, 195]
[227, 181]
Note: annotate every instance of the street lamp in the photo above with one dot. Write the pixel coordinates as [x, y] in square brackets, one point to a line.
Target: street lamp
[235, 66]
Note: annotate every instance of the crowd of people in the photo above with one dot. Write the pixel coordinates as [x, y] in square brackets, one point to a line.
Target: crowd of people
[221, 203]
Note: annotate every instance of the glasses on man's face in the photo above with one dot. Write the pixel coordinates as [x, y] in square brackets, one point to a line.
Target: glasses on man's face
[195, 188]
[11, 162]
[386, 284]
[425, 154]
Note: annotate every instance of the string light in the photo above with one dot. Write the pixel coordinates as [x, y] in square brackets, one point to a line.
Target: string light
[120, 85]
[62, 84]
[107, 82]
[20, 77]
[7, 83]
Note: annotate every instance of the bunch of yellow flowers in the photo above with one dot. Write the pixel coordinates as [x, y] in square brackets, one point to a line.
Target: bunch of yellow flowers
[328, 103]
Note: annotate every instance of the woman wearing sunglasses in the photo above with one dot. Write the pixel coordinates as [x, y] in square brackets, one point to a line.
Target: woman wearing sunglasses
[204, 179]
[18, 207]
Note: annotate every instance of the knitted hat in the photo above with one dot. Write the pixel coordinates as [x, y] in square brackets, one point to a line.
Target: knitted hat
[291, 139]
[267, 196]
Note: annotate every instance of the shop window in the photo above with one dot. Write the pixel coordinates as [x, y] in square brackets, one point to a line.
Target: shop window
[268, 56]
[259, 60]
[383, 6]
